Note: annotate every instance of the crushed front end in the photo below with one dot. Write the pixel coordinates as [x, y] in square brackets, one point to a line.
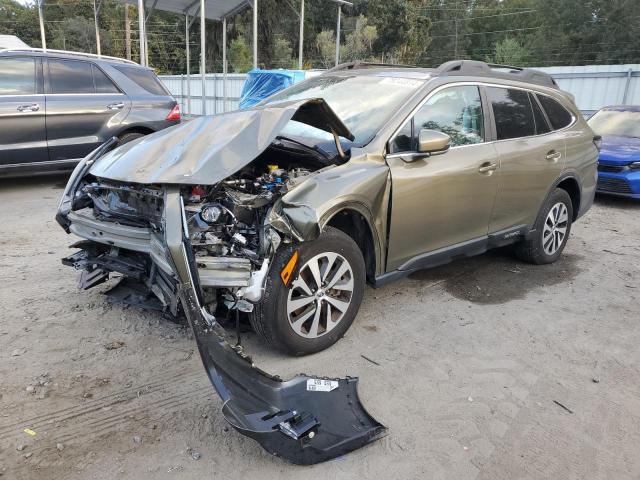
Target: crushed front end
[204, 249]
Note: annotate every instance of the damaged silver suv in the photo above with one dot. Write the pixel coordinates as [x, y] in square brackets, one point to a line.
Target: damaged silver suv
[284, 211]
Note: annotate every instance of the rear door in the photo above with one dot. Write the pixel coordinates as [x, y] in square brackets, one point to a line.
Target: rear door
[22, 111]
[84, 107]
[531, 157]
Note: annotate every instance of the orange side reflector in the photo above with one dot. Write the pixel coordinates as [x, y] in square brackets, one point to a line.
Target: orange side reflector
[287, 272]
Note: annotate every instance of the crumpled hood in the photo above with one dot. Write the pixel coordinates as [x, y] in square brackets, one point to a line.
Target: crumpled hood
[206, 150]
[619, 150]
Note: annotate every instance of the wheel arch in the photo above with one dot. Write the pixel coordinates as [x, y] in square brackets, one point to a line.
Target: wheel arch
[571, 185]
[356, 225]
[136, 129]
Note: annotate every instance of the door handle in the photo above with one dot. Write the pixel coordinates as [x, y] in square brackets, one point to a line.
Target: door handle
[553, 156]
[115, 106]
[487, 167]
[34, 107]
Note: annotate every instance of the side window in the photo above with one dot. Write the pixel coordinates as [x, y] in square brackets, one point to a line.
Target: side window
[145, 79]
[17, 76]
[456, 111]
[102, 83]
[541, 123]
[513, 113]
[70, 76]
[558, 115]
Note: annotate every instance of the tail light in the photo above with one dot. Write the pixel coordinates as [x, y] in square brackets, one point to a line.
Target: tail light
[597, 141]
[174, 114]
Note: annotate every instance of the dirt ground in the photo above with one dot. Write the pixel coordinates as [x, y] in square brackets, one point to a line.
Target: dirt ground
[485, 369]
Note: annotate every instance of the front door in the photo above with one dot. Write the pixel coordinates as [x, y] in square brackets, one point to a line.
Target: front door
[441, 200]
[84, 107]
[23, 135]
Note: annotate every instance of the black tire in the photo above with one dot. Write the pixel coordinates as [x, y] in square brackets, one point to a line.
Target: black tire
[270, 319]
[533, 249]
[128, 137]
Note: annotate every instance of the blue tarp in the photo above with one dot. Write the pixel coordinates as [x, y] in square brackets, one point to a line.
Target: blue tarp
[262, 83]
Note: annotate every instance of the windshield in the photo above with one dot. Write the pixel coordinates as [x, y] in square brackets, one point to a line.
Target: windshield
[362, 102]
[616, 122]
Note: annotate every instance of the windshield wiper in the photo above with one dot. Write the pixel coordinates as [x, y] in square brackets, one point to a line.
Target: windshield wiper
[314, 148]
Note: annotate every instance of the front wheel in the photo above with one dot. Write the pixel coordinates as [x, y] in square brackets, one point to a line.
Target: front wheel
[313, 309]
[552, 229]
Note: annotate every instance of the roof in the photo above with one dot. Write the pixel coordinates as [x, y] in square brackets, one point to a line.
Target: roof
[70, 54]
[466, 68]
[214, 9]
[11, 41]
[622, 108]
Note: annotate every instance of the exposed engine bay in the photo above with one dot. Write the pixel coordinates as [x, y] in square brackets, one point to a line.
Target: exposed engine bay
[231, 239]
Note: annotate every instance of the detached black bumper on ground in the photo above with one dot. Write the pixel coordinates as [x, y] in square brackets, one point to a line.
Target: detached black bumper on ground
[304, 420]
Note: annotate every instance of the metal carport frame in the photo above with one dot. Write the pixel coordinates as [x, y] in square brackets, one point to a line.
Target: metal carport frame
[208, 9]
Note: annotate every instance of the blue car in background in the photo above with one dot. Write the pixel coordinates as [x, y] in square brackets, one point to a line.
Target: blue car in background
[619, 163]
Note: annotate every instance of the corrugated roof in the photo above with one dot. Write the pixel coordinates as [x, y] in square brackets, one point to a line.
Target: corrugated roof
[214, 9]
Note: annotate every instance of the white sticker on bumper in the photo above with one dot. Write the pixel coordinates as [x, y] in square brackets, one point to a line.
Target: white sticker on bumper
[319, 385]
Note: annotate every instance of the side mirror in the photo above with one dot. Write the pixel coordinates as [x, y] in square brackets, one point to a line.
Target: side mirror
[433, 142]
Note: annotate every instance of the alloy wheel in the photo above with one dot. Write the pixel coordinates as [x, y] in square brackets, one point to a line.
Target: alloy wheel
[320, 296]
[555, 228]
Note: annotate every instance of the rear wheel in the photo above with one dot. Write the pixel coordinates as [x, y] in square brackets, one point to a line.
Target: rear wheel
[128, 137]
[320, 302]
[552, 229]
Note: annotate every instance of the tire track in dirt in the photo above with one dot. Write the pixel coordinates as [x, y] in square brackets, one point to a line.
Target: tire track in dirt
[82, 426]
[128, 394]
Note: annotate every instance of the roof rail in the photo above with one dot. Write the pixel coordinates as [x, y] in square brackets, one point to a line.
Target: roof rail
[482, 69]
[68, 52]
[357, 65]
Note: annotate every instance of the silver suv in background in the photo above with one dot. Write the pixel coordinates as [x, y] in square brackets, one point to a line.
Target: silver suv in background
[57, 106]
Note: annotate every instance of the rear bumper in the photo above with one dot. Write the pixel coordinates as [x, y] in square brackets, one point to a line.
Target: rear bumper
[624, 184]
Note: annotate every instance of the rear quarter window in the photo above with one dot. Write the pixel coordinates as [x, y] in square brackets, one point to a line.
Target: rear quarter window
[145, 79]
[559, 116]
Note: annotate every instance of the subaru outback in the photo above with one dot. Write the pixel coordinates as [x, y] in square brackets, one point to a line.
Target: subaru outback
[284, 211]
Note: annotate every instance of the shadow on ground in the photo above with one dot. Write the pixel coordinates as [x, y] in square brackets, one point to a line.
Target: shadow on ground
[498, 277]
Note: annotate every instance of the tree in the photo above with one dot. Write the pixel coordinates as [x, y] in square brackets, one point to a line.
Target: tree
[509, 52]
[358, 44]
[282, 57]
[326, 46]
[240, 55]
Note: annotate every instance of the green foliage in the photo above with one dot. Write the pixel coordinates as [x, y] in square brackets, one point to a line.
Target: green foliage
[282, 54]
[422, 32]
[240, 55]
[509, 52]
[359, 43]
[326, 46]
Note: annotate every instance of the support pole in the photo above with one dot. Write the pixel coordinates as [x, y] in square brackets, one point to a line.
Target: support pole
[626, 86]
[127, 33]
[224, 64]
[301, 34]
[203, 61]
[142, 33]
[255, 33]
[338, 35]
[96, 12]
[43, 39]
[186, 44]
